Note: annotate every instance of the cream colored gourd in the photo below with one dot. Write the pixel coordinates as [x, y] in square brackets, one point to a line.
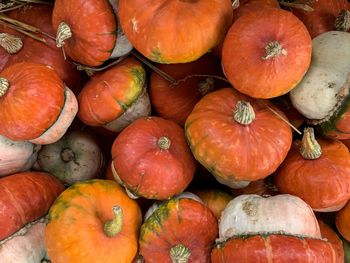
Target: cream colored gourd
[254, 214]
[317, 95]
[16, 156]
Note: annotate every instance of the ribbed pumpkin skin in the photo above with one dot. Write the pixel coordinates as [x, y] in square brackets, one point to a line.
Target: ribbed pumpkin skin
[108, 94]
[147, 170]
[35, 51]
[342, 221]
[274, 248]
[178, 221]
[232, 151]
[33, 101]
[75, 229]
[93, 27]
[322, 183]
[244, 49]
[323, 16]
[149, 32]
[24, 197]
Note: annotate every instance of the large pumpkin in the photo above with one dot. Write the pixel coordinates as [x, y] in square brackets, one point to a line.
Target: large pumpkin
[93, 221]
[323, 94]
[35, 51]
[179, 230]
[266, 63]
[24, 198]
[35, 104]
[342, 221]
[231, 135]
[316, 171]
[188, 30]
[116, 97]
[151, 158]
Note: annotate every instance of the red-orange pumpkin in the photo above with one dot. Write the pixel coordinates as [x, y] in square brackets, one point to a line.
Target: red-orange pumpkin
[152, 159]
[261, 187]
[342, 221]
[266, 63]
[175, 31]
[323, 16]
[24, 198]
[316, 171]
[231, 135]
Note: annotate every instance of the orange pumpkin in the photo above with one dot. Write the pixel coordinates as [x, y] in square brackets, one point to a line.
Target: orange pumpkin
[35, 104]
[188, 30]
[316, 171]
[93, 221]
[266, 63]
[230, 134]
[342, 221]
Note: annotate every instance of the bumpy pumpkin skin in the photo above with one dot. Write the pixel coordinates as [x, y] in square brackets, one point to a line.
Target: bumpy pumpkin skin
[75, 232]
[147, 168]
[178, 222]
[342, 221]
[244, 56]
[24, 198]
[323, 183]
[185, 19]
[93, 27]
[237, 152]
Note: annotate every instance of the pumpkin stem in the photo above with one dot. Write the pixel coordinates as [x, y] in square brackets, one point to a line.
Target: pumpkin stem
[342, 22]
[4, 86]
[113, 227]
[180, 254]
[164, 143]
[63, 33]
[310, 148]
[274, 49]
[206, 86]
[244, 113]
[235, 4]
[10, 43]
[67, 155]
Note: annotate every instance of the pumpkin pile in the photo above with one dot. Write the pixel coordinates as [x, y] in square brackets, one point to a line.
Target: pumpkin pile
[174, 131]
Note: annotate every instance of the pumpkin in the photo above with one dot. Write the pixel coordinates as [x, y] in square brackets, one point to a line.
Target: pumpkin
[261, 187]
[75, 157]
[180, 230]
[35, 51]
[35, 104]
[326, 15]
[215, 199]
[24, 198]
[175, 101]
[116, 97]
[181, 37]
[94, 221]
[257, 229]
[26, 245]
[228, 134]
[16, 156]
[342, 221]
[323, 94]
[266, 63]
[151, 158]
[317, 171]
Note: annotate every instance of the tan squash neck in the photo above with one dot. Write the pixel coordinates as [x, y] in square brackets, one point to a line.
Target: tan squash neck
[63, 33]
[310, 148]
[113, 227]
[4, 86]
[180, 254]
[244, 113]
[342, 22]
[10, 43]
[274, 49]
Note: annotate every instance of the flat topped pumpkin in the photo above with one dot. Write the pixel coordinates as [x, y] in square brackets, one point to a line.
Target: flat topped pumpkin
[175, 31]
[270, 62]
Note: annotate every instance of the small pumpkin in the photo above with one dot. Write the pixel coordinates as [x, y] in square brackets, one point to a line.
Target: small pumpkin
[75, 157]
[151, 158]
[342, 221]
[261, 187]
[16, 156]
[24, 198]
[227, 133]
[317, 171]
[266, 63]
[35, 104]
[184, 19]
[116, 97]
[323, 94]
[179, 230]
[326, 15]
[90, 218]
